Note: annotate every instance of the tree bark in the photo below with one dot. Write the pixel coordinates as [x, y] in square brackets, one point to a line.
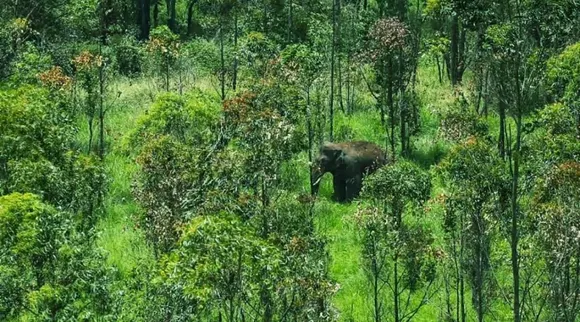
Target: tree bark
[289, 36]
[235, 71]
[171, 22]
[156, 14]
[145, 19]
[190, 7]
[332, 59]
[454, 50]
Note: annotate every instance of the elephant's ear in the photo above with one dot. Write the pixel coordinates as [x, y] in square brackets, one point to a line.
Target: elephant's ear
[333, 151]
[340, 157]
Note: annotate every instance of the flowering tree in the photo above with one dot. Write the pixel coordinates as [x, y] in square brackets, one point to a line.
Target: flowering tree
[387, 45]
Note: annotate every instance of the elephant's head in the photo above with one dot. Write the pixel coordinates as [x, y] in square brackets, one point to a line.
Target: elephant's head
[331, 158]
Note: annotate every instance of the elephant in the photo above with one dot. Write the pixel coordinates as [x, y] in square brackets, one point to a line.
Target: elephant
[348, 162]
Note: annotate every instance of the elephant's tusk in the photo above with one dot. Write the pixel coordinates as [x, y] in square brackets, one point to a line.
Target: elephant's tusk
[317, 180]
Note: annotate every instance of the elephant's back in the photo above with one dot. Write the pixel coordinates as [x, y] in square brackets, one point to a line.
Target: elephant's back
[370, 156]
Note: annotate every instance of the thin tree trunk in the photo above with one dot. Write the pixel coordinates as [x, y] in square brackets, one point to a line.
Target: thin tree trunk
[156, 14]
[101, 110]
[514, 229]
[332, 59]
[460, 271]
[310, 136]
[339, 49]
[515, 222]
[502, 128]
[235, 72]
[461, 63]
[376, 285]
[171, 22]
[144, 18]
[454, 49]
[223, 63]
[396, 312]
[439, 73]
[289, 36]
[391, 105]
[91, 135]
[190, 7]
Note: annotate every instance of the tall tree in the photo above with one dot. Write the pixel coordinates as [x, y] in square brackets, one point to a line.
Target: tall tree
[171, 15]
[144, 14]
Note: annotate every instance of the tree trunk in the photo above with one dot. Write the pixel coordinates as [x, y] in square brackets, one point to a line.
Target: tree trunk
[391, 105]
[190, 7]
[223, 63]
[289, 36]
[515, 219]
[396, 294]
[171, 22]
[502, 127]
[235, 71]
[339, 49]
[310, 136]
[101, 110]
[332, 59]
[461, 61]
[156, 14]
[439, 73]
[454, 50]
[145, 19]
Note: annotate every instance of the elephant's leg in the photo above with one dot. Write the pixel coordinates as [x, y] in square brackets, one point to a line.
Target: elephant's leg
[353, 187]
[339, 188]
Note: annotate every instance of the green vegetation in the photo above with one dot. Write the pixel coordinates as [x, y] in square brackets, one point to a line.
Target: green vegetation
[156, 160]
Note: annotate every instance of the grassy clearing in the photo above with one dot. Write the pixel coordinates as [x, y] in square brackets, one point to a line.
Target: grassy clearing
[119, 236]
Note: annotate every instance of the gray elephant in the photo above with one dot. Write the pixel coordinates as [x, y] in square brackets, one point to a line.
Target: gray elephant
[348, 162]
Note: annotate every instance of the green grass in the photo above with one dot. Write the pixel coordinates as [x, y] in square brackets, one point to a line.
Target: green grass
[120, 236]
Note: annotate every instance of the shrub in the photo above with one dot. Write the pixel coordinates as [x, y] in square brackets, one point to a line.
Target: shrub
[129, 59]
[192, 119]
[37, 154]
[47, 269]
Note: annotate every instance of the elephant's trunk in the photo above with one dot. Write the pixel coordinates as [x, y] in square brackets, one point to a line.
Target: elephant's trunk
[316, 176]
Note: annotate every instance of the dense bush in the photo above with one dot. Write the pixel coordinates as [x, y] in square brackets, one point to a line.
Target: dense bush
[37, 154]
[48, 270]
[129, 59]
[192, 119]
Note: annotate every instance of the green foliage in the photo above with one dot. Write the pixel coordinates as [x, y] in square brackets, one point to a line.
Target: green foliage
[48, 270]
[555, 209]
[164, 49]
[192, 119]
[553, 141]
[28, 64]
[393, 239]
[129, 59]
[563, 76]
[474, 165]
[206, 56]
[303, 64]
[397, 185]
[460, 121]
[37, 152]
[161, 188]
[215, 257]
[220, 261]
[257, 51]
[557, 119]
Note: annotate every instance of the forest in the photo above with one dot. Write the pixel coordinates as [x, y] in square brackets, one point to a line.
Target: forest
[290, 160]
